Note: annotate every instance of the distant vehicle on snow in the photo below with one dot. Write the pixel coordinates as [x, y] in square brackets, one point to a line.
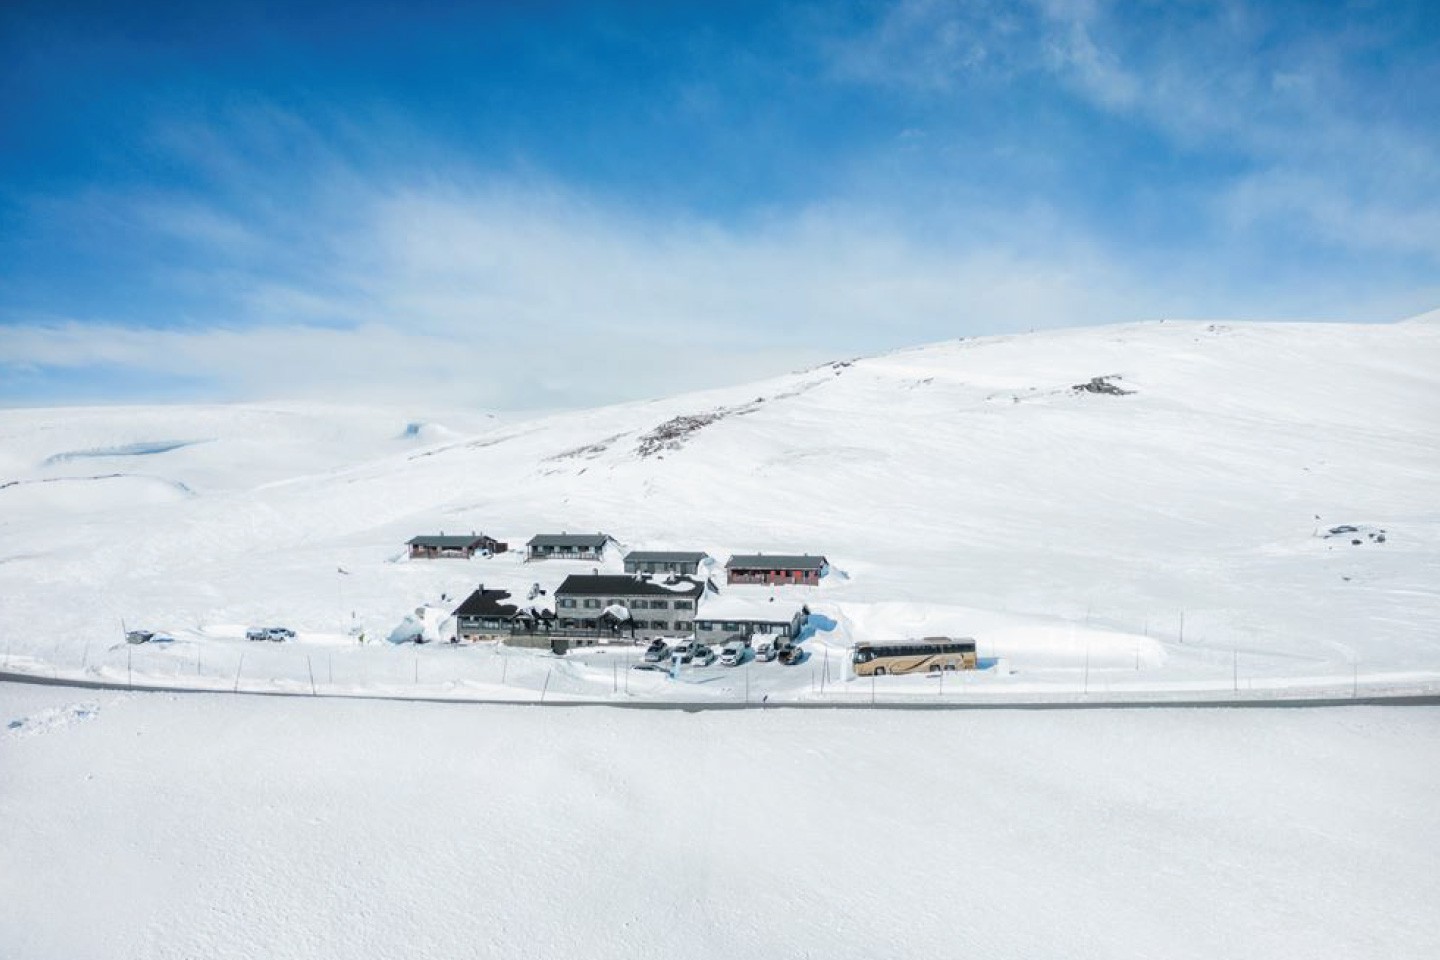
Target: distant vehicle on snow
[931, 655]
[733, 654]
[790, 655]
[766, 652]
[657, 651]
[273, 634]
[702, 655]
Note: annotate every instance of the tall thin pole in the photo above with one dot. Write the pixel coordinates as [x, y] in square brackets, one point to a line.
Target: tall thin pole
[130, 666]
[311, 668]
[1182, 626]
[238, 667]
[1087, 669]
[1235, 651]
[546, 689]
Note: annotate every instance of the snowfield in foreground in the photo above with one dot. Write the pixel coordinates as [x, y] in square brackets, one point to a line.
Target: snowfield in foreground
[1143, 507]
[154, 826]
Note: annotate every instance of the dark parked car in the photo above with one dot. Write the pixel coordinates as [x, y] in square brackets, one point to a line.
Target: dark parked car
[657, 652]
[139, 636]
[790, 655]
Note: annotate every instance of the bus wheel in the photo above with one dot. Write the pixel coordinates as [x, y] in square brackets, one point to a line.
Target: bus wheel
[950, 667]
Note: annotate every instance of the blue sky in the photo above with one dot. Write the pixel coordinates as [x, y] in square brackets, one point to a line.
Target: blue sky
[554, 204]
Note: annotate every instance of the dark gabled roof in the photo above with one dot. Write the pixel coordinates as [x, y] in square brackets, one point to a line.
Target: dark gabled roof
[774, 561]
[570, 540]
[609, 585]
[444, 540]
[486, 603]
[664, 556]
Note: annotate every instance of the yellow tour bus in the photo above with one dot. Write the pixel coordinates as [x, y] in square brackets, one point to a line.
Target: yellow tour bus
[931, 655]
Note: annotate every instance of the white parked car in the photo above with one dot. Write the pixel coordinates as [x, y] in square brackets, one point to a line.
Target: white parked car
[703, 655]
[733, 654]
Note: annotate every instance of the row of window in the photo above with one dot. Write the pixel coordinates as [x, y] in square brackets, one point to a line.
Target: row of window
[594, 603]
[732, 627]
[679, 626]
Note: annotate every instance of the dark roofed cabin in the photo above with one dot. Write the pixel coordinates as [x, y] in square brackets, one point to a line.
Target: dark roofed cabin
[568, 546]
[662, 561]
[465, 546]
[778, 568]
[485, 616]
[655, 608]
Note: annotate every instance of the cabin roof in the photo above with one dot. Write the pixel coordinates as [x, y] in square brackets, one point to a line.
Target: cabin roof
[611, 585]
[775, 561]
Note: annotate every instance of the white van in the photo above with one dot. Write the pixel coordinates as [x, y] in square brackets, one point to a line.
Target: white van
[733, 653]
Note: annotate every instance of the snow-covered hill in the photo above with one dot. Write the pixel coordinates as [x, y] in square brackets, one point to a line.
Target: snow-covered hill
[1166, 525]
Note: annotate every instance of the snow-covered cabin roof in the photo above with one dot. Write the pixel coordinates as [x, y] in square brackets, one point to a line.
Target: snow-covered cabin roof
[665, 556]
[486, 603]
[612, 585]
[570, 540]
[444, 541]
[775, 561]
[736, 608]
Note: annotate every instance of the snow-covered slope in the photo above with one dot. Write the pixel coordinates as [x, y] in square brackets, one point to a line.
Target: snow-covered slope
[964, 487]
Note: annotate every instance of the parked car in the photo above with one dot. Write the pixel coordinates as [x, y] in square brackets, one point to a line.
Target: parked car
[651, 667]
[275, 634]
[256, 633]
[790, 655]
[765, 652]
[732, 654]
[657, 652]
[704, 656]
[685, 650]
[139, 636]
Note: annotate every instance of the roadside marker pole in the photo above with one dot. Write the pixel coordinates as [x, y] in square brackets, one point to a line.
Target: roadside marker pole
[872, 689]
[198, 648]
[1235, 669]
[1355, 681]
[311, 668]
[545, 689]
[238, 667]
[130, 667]
[85, 656]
